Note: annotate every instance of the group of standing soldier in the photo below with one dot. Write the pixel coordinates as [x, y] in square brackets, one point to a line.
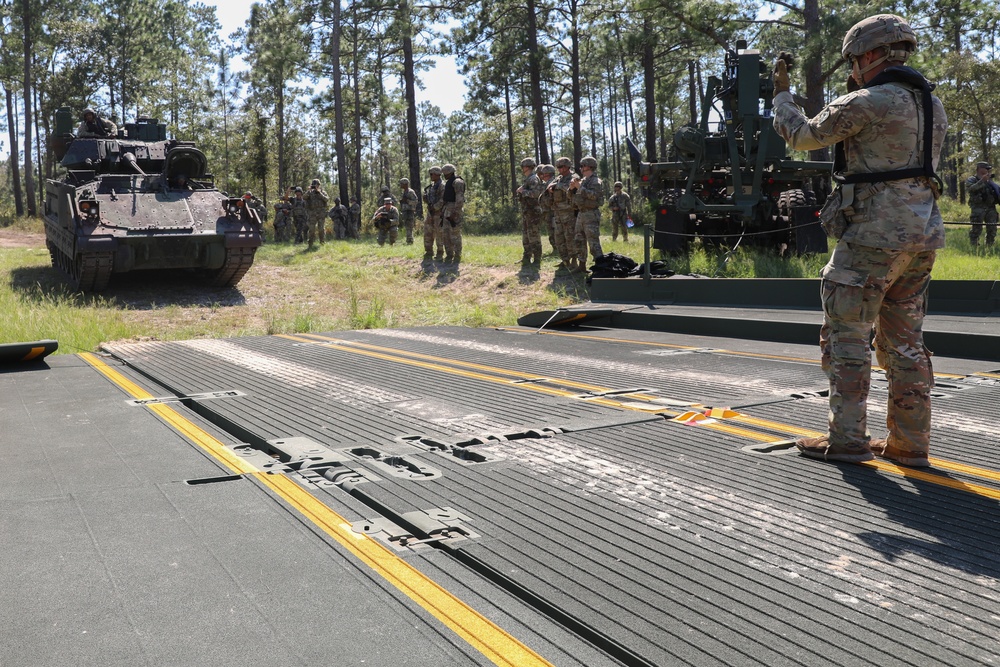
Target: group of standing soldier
[570, 204]
[301, 216]
[984, 195]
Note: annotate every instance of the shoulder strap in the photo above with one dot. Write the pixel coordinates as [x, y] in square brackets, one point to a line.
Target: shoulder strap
[914, 78]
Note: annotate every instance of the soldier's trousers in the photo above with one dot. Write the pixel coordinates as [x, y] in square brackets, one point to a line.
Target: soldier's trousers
[317, 224]
[547, 215]
[355, 228]
[564, 225]
[588, 234]
[531, 235]
[391, 232]
[406, 219]
[432, 232]
[452, 227]
[301, 229]
[282, 231]
[864, 287]
[618, 225]
[978, 218]
[340, 230]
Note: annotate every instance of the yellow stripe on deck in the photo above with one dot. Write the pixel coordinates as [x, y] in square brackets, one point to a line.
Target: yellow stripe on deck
[481, 633]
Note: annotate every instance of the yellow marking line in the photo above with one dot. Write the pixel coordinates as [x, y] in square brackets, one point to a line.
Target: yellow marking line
[207, 442]
[987, 375]
[915, 473]
[481, 633]
[398, 357]
[393, 354]
[753, 355]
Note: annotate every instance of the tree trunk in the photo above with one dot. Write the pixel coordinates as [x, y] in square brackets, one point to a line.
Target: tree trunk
[510, 142]
[692, 94]
[15, 167]
[574, 36]
[649, 92]
[412, 131]
[535, 78]
[338, 108]
[280, 110]
[357, 107]
[813, 68]
[29, 176]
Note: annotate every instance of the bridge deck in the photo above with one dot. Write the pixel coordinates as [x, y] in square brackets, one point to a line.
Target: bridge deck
[472, 496]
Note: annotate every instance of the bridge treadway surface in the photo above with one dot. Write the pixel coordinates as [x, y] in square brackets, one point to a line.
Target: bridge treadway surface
[464, 496]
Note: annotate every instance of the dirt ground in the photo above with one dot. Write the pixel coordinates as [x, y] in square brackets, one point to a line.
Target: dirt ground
[15, 238]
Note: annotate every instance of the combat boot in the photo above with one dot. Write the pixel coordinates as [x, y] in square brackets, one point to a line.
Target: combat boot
[820, 448]
[912, 459]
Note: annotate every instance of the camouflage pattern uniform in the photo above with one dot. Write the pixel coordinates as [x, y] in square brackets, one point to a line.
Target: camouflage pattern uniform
[588, 197]
[531, 213]
[545, 173]
[982, 200]
[341, 223]
[316, 201]
[621, 210]
[564, 214]
[355, 229]
[453, 197]
[386, 221]
[407, 208]
[880, 270]
[385, 194]
[434, 198]
[283, 221]
[300, 215]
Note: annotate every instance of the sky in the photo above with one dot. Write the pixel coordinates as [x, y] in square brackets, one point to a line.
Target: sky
[443, 85]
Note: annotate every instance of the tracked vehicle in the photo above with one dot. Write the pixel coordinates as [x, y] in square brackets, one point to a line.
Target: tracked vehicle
[728, 178]
[138, 201]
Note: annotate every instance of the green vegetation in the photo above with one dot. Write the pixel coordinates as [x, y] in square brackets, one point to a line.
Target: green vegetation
[350, 285]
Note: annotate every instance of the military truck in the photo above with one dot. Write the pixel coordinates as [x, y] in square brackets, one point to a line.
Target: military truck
[728, 178]
[137, 201]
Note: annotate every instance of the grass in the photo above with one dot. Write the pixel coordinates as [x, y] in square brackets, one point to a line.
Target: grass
[350, 285]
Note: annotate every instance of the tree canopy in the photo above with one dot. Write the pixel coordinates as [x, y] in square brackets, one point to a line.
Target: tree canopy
[326, 89]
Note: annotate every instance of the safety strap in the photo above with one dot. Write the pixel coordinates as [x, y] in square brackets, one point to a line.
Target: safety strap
[914, 78]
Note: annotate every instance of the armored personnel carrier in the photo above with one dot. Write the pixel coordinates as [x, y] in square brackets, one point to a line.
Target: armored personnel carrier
[729, 179]
[138, 201]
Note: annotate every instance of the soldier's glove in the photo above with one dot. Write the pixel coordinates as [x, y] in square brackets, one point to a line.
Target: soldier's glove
[782, 66]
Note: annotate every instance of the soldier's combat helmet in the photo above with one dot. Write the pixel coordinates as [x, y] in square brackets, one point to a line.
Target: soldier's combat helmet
[590, 162]
[564, 162]
[298, 188]
[448, 169]
[882, 30]
[547, 169]
[527, 162]
[405, 182]
[984, 165]
[385, 188]
[434, 170]
[618, 184]
[89, 110]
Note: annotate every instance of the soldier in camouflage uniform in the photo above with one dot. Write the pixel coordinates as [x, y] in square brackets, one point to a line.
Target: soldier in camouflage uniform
[984, 195]
[341, 223]
[545, 173]
[355, 228]
[316, 201]
[453, 197]
[283, 220]
[385, 194]
[434, 198]
[588, 195]
[386, 221]
[300, 215]
[621, 210]
[407, 208]
[879, 272]
[560, 199]
[531, 214]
